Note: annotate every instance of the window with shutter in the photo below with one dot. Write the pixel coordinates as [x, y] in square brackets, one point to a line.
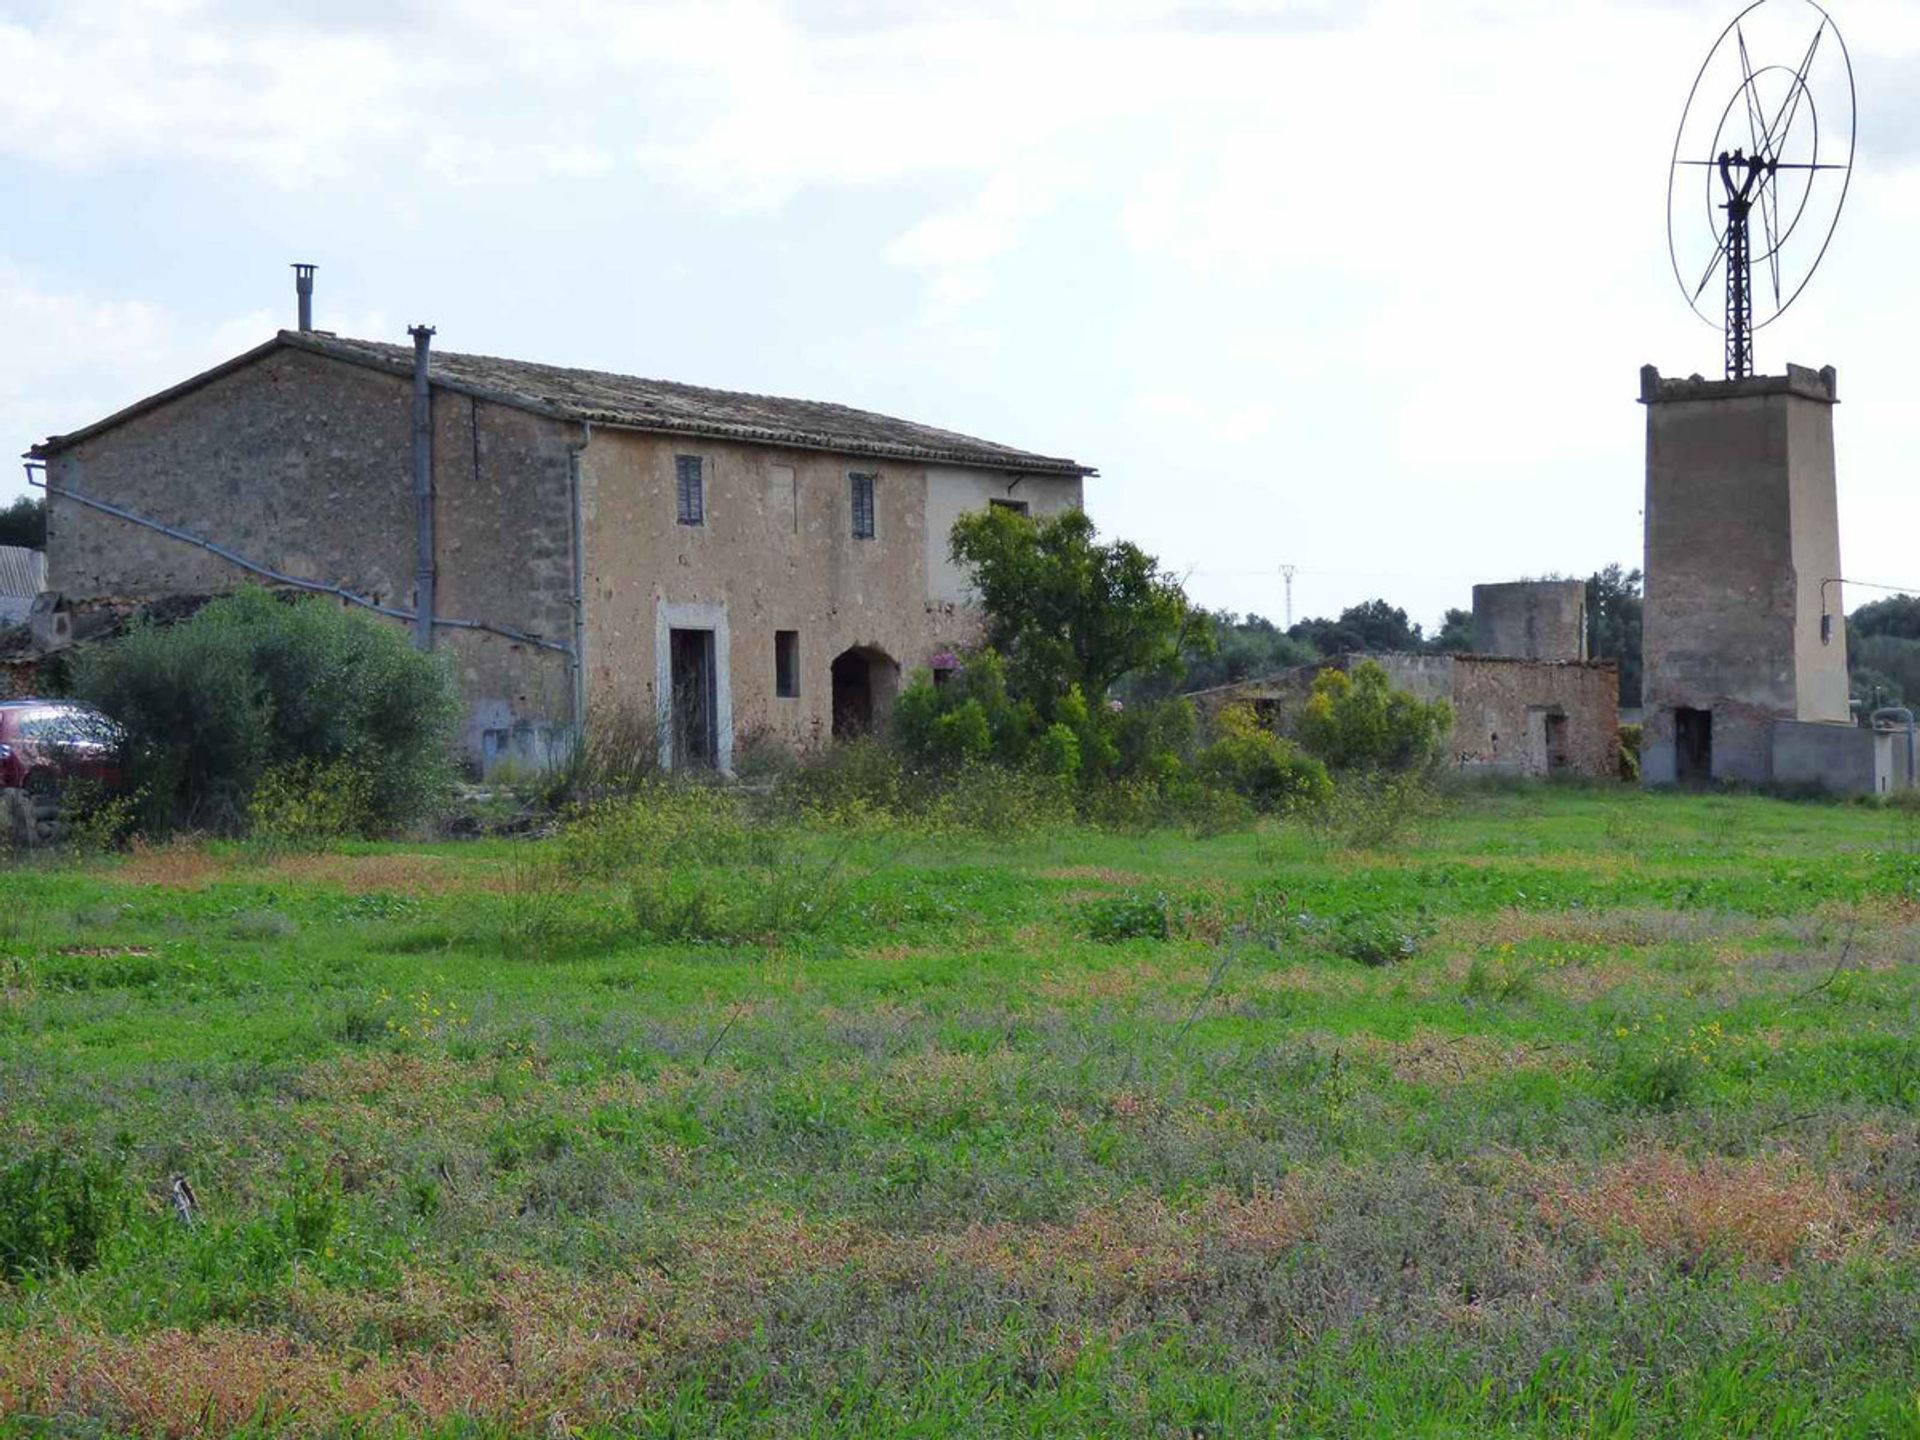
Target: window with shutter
[688, 475]
[862, 506]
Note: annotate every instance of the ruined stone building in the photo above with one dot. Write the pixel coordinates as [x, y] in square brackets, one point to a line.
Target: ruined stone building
[1511, 715]
[1531, 619]
[726, 563]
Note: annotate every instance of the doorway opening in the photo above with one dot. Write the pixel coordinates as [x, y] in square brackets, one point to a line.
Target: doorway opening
[1557, 756]
[1692, 746]
[694, 710]
[865, 680]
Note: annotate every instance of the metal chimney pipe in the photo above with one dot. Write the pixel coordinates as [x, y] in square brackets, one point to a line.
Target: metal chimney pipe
[423, 575]
[303, 287]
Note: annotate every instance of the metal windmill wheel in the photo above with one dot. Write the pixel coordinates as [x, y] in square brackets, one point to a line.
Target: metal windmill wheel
[1761, 165]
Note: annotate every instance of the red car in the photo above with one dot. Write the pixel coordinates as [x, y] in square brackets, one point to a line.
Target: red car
[43, 745]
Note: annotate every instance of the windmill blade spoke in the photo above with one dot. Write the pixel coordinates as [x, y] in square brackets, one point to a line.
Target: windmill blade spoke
[1749, 94]
[1790, 106]
[1719, 254]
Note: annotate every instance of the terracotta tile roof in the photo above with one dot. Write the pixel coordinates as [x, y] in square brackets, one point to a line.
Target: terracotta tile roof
[23, 572]
[629, 402]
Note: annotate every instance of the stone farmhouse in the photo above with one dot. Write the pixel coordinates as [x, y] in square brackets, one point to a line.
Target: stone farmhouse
[725, 564]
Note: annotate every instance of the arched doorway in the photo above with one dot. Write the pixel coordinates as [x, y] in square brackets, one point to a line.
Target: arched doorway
[865, 680]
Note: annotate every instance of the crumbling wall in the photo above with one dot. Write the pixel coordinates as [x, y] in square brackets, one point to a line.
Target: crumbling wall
[1526, 717]
[1534, 717]
[1531, 619]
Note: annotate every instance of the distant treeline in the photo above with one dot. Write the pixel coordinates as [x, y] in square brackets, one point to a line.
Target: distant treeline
[1249, 646]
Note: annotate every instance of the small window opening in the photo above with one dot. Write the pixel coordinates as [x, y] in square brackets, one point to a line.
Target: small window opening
[786, 664]
[862, 506]
[1019, 507]
[690, 489]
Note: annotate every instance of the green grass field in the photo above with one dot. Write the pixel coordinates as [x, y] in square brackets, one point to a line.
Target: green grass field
[1586, 1113]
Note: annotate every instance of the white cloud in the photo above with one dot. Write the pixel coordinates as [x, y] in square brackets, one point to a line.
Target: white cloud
[1312, 251]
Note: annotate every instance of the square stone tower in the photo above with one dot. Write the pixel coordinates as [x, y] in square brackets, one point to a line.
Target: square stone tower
[1531, 619]
[1743, 540]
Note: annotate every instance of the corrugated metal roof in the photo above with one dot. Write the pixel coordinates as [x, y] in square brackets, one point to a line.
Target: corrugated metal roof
[630, 402]
[23, 572]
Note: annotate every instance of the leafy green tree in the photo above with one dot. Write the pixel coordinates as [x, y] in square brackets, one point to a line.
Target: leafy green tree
[1455, 636]
[24, 522]
[1897, 615]
[1067, 611]
[1371, 625]
[1270, 773]
[1231, 648]
[254, 684]
[1613, 625]
[1357, 721]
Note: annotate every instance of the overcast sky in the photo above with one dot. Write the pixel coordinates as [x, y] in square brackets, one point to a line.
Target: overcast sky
[1361, 288]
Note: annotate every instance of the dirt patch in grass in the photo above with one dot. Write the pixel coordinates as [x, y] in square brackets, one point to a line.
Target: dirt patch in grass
[1430, 1057]
[363, 1075]
[1616, 929]
[404, 873]
[178, 865]
[187, 865]
[1769, 1208]
[1126, 980]
[1101, 873]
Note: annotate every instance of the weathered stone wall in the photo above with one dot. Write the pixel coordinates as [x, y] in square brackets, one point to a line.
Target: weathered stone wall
[1741, 530]
[775, 552]
[1502, 709]
[1531, 619]
[303, 464]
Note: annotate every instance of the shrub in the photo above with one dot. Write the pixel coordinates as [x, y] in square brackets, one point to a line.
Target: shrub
[1129, 917]
[1630, 736]
[1372, 939]
[253, 682]
[56, 1212]
[664, 823]
[309, 802]
[1270, 773]
[1378, 812]
[1358, 721]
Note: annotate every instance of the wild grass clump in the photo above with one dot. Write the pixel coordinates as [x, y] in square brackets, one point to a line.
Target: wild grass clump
[1128, 917]
[1370, 938]
[308, 803]
[1375, 811]
[57, 1212]
[672, 861]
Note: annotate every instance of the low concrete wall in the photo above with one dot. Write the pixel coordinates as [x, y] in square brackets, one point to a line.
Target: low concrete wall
[1843, 758]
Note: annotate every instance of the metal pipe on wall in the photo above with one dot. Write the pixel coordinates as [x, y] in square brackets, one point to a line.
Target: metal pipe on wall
[279, 577]
[423, 575]
[303, 290]
[576, 534]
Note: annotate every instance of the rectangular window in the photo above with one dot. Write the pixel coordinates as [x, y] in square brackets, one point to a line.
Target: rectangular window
[1019, 507]
[689, 477]
[862, 506]
[786, 664]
